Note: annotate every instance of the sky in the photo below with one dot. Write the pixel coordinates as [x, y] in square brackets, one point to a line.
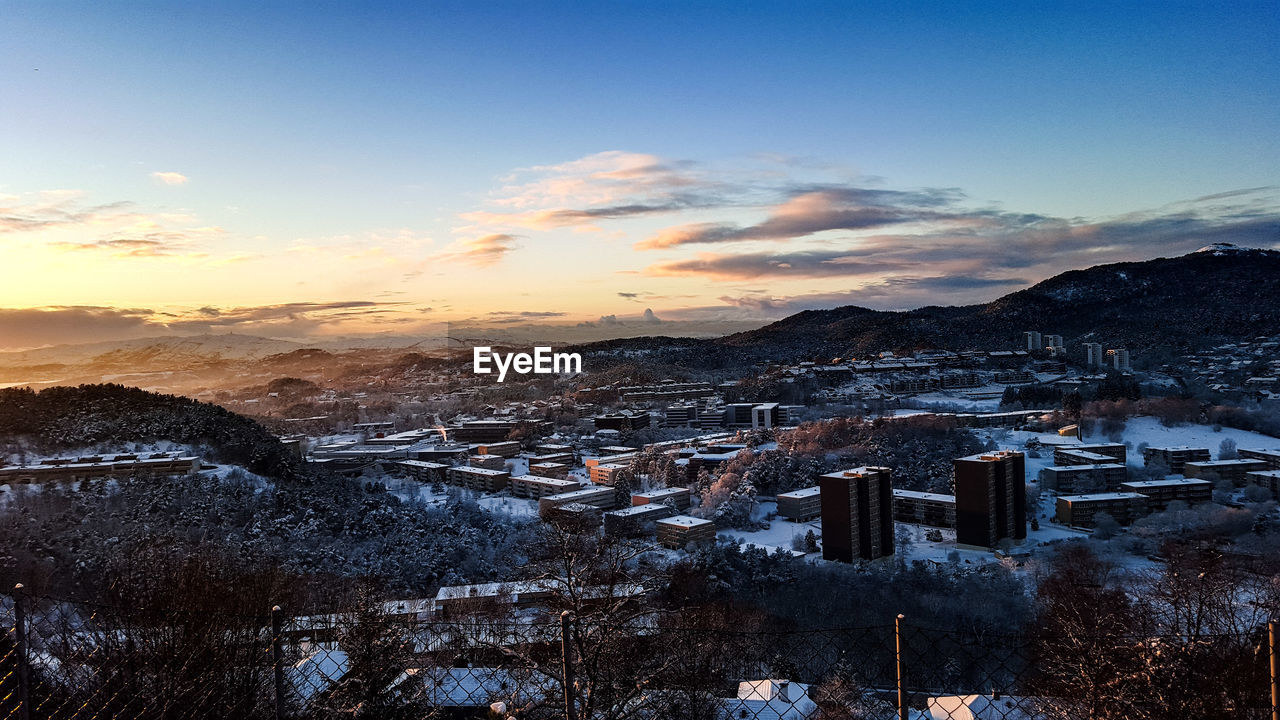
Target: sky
[346, 169]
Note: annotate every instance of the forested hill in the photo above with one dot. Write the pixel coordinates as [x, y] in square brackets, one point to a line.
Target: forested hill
[62, 418]
[1218, 294]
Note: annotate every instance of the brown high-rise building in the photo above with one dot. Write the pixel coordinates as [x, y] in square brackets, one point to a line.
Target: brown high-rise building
[857, 514]
[991, 498]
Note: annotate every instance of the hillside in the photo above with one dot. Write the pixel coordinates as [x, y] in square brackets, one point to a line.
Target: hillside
[1218, 294]
[61, 418]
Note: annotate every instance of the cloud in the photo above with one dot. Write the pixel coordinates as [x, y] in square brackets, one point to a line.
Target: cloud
[649, 317]
[747, 266]
[481, 251]
[814, 210]
[606, 186]
[1000, 246]
[170, 178]
[55, 325]
[63, 220]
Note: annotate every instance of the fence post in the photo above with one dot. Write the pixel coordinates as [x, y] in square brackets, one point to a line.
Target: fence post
[902, 690]
[277, 661]
[566, 652]
[20, 651]
[1275, 670]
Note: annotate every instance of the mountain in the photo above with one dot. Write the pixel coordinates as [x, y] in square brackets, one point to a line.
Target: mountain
[1220, 293]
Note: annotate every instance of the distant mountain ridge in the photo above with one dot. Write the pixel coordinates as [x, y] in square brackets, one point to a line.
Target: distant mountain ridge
[1217, 294]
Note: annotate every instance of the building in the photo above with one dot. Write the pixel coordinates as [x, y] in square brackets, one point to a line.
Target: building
[677, 497]
[991, 498]
[601, 497]
[489, 462]
[635, 520]
[1034, 341]
[801, 505]
[579, 516]
[1233, 470]
[857, 514]
[1162, 492]
[549, 470]
[482, 479]
[93, 467]
[1071, 456]
[1054, 343]
[1093, 355]
[1113, 452]
[1118, 359]
[535, 487]
[1269, 479]
[422, 471]
[606, 473]
[552, 448]
[1174, 458]
[507, 449]
[622, 422]
[766, 415]
[681, 415]
[1072, 479]
[678, 531]
[924, 508]
[1082, 510]
[1270, 457]
[773, 699]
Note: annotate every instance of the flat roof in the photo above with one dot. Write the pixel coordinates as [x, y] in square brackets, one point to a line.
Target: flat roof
[1109, 466]
[1167, 482]
[687, 521]
[1102, 496]
[662, 492]
[918, 495]
[804, 493]
[1217, 463]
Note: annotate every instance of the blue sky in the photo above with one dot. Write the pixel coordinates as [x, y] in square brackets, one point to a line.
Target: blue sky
[313, 151]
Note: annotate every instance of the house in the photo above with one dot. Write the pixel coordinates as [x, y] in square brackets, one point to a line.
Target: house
[769, 700]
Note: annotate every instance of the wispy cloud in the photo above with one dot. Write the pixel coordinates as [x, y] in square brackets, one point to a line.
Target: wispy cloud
[63, 324]
[169, 178]
[480, 251]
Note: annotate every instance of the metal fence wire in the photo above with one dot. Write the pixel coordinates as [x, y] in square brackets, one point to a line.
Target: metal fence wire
[62, 660]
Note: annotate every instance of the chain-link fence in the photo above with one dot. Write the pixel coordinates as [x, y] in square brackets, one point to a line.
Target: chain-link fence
[402, 660]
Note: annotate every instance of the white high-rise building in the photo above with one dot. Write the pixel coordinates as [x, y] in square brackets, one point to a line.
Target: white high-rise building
[1093, 354]
[1053, 342]
[1119, 359]
[1034, 341]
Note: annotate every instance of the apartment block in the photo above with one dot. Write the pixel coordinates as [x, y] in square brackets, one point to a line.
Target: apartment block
[857, 514]
[601, 497]
[635, 520]
[482, 479]
[678, 531]
[549, 470]
[1075, 479]
[606, 473]
[1112, 452]
[422, 471]
[1269, 479]
[924, 508]
[800, 505]
[1174, 457]
[1082, 510]
[508, 449]
[1233, 470]
[489, 462]
[166, 464]
[991, 498]
[1162, 492]
[534, 487]
[676, 496]
[1270, 457]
